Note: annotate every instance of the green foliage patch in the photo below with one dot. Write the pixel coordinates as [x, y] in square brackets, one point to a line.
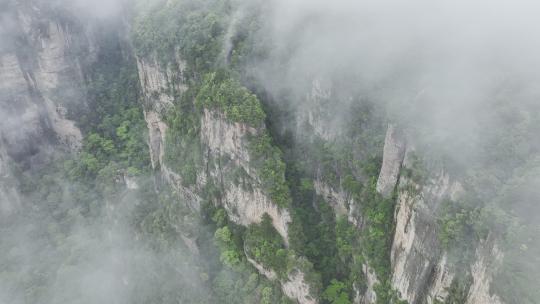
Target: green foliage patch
[226, 94]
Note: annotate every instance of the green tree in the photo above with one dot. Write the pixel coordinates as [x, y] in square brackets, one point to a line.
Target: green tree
[336, 293]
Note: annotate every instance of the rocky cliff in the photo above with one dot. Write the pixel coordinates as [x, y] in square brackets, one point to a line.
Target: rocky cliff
[225, 153]
[421, 271]
[40, 78]
[419, 266]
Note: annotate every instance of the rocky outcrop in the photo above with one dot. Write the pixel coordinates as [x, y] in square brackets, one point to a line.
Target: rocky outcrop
[222, 139]
[226, 152]
[421, 271]
[40, 77]
[159, 86]
[160, 82]
[419, 266]
[225, 139]
[488, 258]
[248, 207]
[338, 199]
[341, 201]
[156, 137]
[368, 296]
[394, 151]
[268, 273]
[317, 113]
[294, 285]
[297, 288]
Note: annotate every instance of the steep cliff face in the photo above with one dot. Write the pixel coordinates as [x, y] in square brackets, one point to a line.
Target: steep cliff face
[394, 151]
[317, 110]
[160, 83]
[226, 163]
[369, 296]
[40, 77]
[159, 88]
[222, 139]
[229, 140]
[421, 271]
[297, 288]
[488, 257]
[419, 265]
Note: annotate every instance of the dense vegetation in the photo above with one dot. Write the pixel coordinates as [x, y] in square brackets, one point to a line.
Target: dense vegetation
[331, 242]
[227, 95]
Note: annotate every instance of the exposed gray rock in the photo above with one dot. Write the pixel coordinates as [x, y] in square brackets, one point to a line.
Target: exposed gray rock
[339, 200]
[369, 296]
[488, 258]
[421, 271]
[419, 265]
[248, 207]
[394, 151]
[268, 273]
[221, 139]
[160, 83]
[297, 288]
[224, 138]
[39, 77]
[318, 112]
[156, 137]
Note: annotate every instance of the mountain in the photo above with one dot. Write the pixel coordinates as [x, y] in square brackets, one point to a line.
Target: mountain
[215, 151]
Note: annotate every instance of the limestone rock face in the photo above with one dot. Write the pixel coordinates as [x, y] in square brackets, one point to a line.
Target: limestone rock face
[338, 199]
[316, 113]
[296, 288]
[421, 271]
[419, 265]
[221, 138]
[394, 149]
[488, 257]
[228, 139]
[40, 77]
[368, 296]
[226, 152]
[268, 273]
[156, 137]
[160, 83]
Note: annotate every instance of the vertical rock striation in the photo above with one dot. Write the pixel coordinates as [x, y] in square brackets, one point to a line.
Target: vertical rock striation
[40, 78]
[394, 151]
[226, 153]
